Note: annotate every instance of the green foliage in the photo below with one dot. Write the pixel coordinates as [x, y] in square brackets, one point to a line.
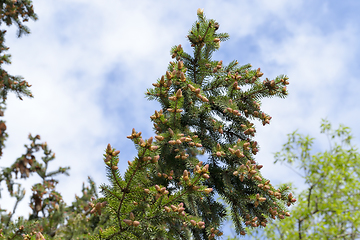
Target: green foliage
[166, 192]
[329, 207]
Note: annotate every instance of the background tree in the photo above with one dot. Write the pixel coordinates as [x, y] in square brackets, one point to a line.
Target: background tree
[49, 210]
[329, 208]
[44, 196]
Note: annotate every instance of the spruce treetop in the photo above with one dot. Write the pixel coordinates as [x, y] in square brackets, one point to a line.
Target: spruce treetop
[206, 107]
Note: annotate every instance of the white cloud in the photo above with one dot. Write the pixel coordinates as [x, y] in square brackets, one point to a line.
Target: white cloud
[316, 62]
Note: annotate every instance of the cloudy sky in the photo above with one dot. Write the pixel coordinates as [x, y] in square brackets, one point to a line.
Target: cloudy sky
[90, 62]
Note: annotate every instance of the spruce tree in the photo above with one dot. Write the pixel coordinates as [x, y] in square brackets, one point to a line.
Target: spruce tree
[209, 108]
[166, 193]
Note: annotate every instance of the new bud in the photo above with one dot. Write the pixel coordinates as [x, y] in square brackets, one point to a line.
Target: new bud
[153, 148]
[116, 153]
[201, 224]
[206, 176]
[128, 222]
[155, 159]
[159, 138]
[208, 190]
[39, 236]
[182, 77]
[179, 94]
[168, 75]
[108, 148]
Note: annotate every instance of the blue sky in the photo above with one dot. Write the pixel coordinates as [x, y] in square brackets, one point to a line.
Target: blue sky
[90, 62]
